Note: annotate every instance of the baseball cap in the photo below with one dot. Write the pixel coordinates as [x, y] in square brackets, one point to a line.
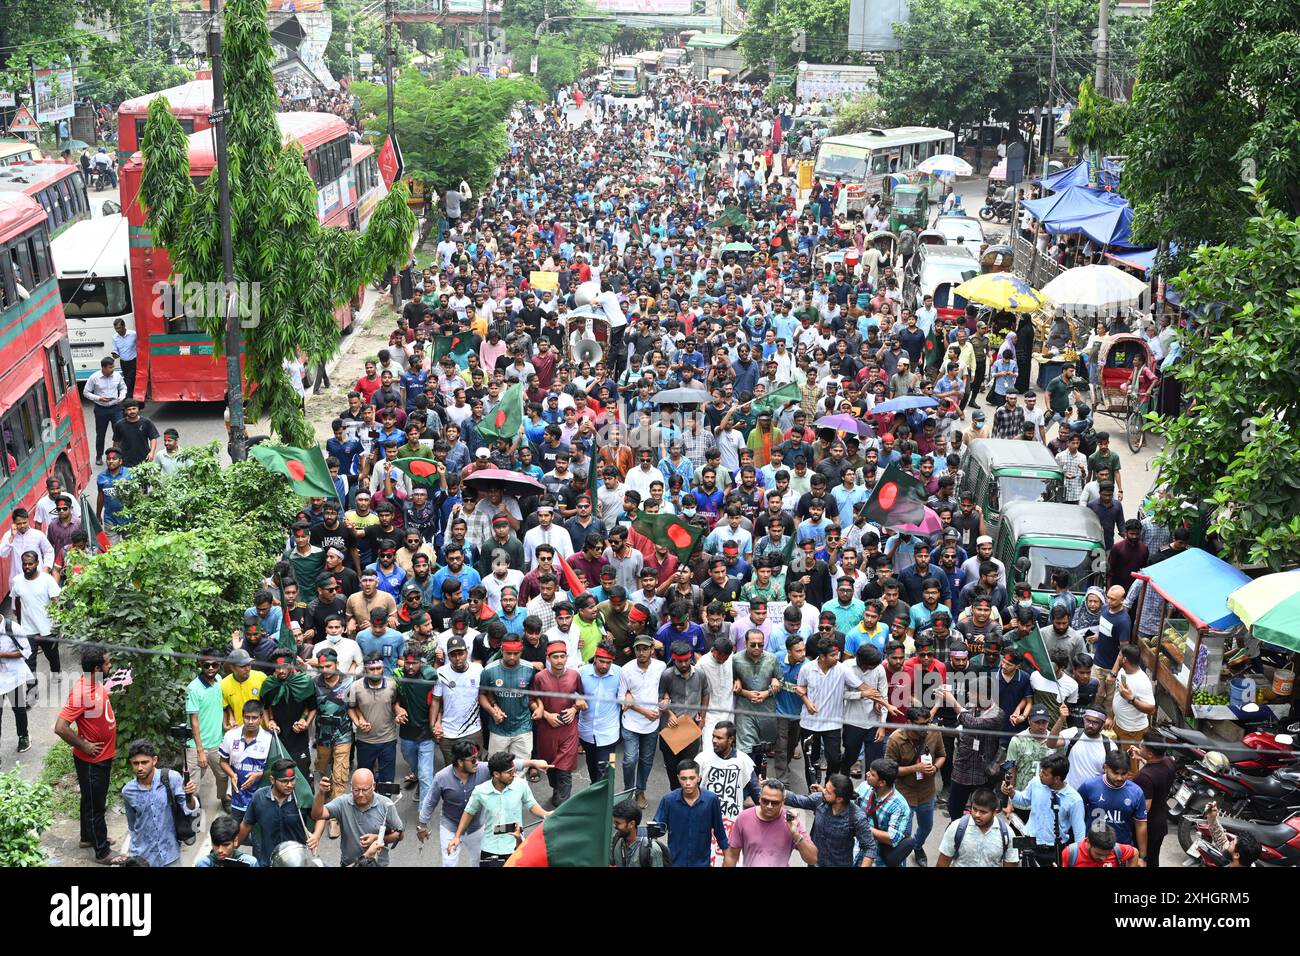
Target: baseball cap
[456, 644]
[1039, 712]
[240, 658]
[644, 640]
[481, 453]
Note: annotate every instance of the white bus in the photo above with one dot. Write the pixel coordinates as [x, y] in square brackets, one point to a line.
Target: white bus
[862, 160]
[92, 259]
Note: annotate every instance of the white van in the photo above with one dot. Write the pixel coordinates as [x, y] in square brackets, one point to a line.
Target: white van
[92, 259]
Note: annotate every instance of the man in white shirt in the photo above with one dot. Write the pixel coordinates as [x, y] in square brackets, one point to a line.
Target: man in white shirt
[1134, 702]
[546, 532]
[124, 347]
[22, 538]
[638, 688]
[821, 687]
[45, 511]
[32, 590]
[105, 390]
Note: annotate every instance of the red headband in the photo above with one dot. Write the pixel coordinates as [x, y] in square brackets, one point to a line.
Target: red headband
[636, 614]
[683, 657]
[603, 654]
[554, 646]
[512, 645]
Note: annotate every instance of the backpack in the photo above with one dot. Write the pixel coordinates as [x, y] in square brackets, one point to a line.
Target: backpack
[961, 834]
[182, 823]
[1088, 440]
[1106, 742]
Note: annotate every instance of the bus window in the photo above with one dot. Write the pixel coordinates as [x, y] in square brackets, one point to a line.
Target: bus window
[8, 288]
[174, 312]
[23, 267]
[62, 376]
[44, 199]
[40, 253]
[21, 429]
[879, 164]
[89, 298]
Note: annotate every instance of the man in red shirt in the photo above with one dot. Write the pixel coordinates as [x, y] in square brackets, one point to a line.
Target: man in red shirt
[94, 744]
[369, 383]
[1099, 849]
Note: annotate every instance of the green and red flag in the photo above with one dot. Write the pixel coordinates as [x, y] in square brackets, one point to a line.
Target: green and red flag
[671, 532]
[94, 528]
[577, 833]
[781, 241]
[421, 471]
[935, 349]
[731, 216]
[304, 467]
[1035, 650]
[898, 498]
[635, 230]
[454, 345]
[504, 420]
[777, 399]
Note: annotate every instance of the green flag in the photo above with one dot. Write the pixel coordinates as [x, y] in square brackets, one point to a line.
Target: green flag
[671, 532]
[304, 467]
[505, 419]
[1035, 650]
[731, 216]
[898, 498]
[635, 230]
[776, 400]
[421, 471]
[577, 833]
[935, 350]
[301, 788]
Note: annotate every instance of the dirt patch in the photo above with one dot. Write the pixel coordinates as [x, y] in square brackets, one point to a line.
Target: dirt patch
[370, 335]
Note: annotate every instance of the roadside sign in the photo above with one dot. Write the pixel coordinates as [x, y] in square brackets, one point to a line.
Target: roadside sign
[23, 122]
[783, 79]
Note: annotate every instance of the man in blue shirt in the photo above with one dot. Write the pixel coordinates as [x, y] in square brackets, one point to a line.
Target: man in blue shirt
[1115, 799]
[1056, 815]
[692, 816]
[599, 726]
[382, 640]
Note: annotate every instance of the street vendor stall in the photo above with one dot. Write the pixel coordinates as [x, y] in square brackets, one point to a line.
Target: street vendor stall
[1186, 652]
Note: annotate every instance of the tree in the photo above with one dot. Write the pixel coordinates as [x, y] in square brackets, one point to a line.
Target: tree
[566, 48]
[24, 816]
[1216, 102]
[1235, 448]
[1097, 123]
[304, 270]
[861, 114]
[454, 129]
[198, 546]
[771, 28]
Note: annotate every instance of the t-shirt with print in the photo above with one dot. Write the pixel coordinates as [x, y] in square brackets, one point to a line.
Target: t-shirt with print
[503, 683]
[1118, 806]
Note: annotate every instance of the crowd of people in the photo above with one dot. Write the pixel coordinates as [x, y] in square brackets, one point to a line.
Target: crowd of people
[796, 656]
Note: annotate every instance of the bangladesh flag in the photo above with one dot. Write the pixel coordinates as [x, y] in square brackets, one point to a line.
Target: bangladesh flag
[301, 788]
[1035, 651]
[576, 834]
[898, 498]
[777, 399]
[781, 241]
[635, 230]
[731, 216]
[935, 348]
[304, 467]
[94, 530]
[710, 117]
[671, 532]
[506, 418]
[421, 471]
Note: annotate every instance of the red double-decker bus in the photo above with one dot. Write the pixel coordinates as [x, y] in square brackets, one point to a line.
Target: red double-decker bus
[41, 421]
[191, 103]
[176, 360]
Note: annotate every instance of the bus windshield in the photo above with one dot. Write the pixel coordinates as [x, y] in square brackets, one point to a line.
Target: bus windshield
[625, 72]
[87, 298]
[1043, 562]
[842, 162]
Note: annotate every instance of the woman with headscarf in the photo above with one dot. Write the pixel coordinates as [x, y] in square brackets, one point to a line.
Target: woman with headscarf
[1024, 351]
[1087, 616]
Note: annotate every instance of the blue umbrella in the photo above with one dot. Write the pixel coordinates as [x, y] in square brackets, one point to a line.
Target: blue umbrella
[904, 403]
[845, 423]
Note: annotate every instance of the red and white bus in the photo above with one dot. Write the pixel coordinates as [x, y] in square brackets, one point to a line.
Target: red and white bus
[176, 360]
[191, 103]
[60, 190]
[365, 184]
[41, 421]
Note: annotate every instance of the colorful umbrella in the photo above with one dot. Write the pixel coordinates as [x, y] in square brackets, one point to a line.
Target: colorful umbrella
[1002, 291]
[945, 164]
[738, 247]
[845, 423]
[904, 403]
[511, 482]
[1270, 607]
[928, 524]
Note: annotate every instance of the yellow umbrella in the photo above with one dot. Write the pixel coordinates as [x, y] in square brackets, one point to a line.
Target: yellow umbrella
[1003, 291]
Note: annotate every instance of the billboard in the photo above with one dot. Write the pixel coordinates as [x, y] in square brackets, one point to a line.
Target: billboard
[54, 95]
[831, 82]
[644, 7]
[871, 24]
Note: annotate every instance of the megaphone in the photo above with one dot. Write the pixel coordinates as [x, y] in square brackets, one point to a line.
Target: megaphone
[587, 350]
[586, 294]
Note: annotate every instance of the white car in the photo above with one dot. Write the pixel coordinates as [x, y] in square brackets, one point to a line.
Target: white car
[965, 228]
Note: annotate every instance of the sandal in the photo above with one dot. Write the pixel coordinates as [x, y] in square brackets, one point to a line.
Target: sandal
[86, 844]
[110, 859]
[410, 781]
[534, 775]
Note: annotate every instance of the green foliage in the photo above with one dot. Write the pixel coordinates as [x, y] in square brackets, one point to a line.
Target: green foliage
[454, 129]
[304, 270]
[117, 72]
[59, 773]
[1097, 123]
[46, 33]
[962, 60]
[173, 589]
[1216, 92]
[566, 49]
[860, 114]
[771, 27]
[24, 815]
[1237, 447]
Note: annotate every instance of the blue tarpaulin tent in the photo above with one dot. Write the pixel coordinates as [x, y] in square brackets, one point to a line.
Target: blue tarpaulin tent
[1102, 216]
[1198, 584]
[1074, 176]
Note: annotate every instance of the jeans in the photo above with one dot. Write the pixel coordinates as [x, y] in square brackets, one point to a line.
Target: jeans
[561, 782]
[671, 760]
[128, 375]
[597, 758]
[638, 759]
[381, 758]
[860, 740]
[815, 742]
[104, 417]
[50, 648]
[419, 756]
[922, 822]
[93, 780]
[18, 701]
[212, 783]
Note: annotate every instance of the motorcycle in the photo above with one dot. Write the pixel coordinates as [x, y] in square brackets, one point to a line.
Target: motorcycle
[1259, 753]
[1279, 843]
[997, 209]
[1271, 799]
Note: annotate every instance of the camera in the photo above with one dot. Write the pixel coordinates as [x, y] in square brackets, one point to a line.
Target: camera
[1024, 842]
[388, 789]
[655, 830]
[180, 732]
[501, 828]
[1008, 767]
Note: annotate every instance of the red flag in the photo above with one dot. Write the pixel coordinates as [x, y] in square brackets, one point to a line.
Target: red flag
[575, 586]
[390, 162]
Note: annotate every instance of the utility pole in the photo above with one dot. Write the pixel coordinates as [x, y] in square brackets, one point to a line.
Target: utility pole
[1051, 94]
[486, 28]
[396, 286]
[1103, 40]
[148, 24]
[234, 343]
